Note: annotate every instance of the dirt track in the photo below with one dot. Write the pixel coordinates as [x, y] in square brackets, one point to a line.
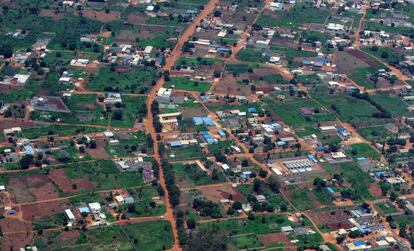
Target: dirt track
[169, 63]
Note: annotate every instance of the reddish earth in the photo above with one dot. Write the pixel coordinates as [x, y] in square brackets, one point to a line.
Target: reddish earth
[92, 68]
[52, 14]
[361, 56]
[218, 193]
[36, 211]
[59, 177]
[136, 18]
[16, 241]
[14, 225]
[39, 186]
[375, 189]
[67, 235]
[98, 153]
[5, 124]
[335, 220]
[273, 238]
[7, 89]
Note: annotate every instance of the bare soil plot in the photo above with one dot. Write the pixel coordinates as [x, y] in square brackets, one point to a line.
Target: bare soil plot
[4, 124]
[189, 112]
[228, 85]
[32, 188]
[15, 241]
[218, 193]
[137, 18]
[36, 211]
[375, 190]
[273, 238]
[7, 89]
[335, 219]
[362, 56]
[99, 152]
[52, 14]
[346, 64]
[100, 15]
[59, 177]
[67, 238]
[14, 225]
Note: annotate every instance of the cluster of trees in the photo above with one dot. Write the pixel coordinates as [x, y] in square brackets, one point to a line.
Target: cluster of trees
[6, 50]
[383, 113]
[196, 174]
[207, 208]
[270, 182]
[155, 111]
[173, 190]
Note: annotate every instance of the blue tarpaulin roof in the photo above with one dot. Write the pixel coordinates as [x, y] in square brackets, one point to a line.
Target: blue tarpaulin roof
[320, 148]
[221, 133]
[307, 62]
[358, 243]
[251, 110]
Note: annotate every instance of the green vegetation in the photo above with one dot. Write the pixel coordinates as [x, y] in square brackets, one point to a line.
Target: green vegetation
[185, 153]
[357, 181]
[301, 198]
[144, 204]
[343, 106]
[105, 173]
[188, 85]
[240, 68]
[136, 80]
[143, 236]
[392, 103]
[289, 110]
[361, 77]
[195, 62]
[192, 175]
[386, 208]
[363, 150]
[219, 146]
[301, 13]
[130, 144]
[251, 55]
[58, 130]
[257, 226]
[384, 53]
[292, 53]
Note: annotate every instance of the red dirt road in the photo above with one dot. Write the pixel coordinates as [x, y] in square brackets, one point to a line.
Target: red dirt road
[169, 63]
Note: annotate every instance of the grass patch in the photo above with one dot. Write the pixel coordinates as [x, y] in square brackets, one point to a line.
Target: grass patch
[363, 150]
[105, 173]
[185, 153]
[188, 85]
[136, 80]
[386, 208]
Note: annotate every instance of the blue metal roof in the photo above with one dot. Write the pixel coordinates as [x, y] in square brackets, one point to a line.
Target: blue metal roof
[175, 143]
[84, 210]
[28, 150]
[203, 120]
[198, 120]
